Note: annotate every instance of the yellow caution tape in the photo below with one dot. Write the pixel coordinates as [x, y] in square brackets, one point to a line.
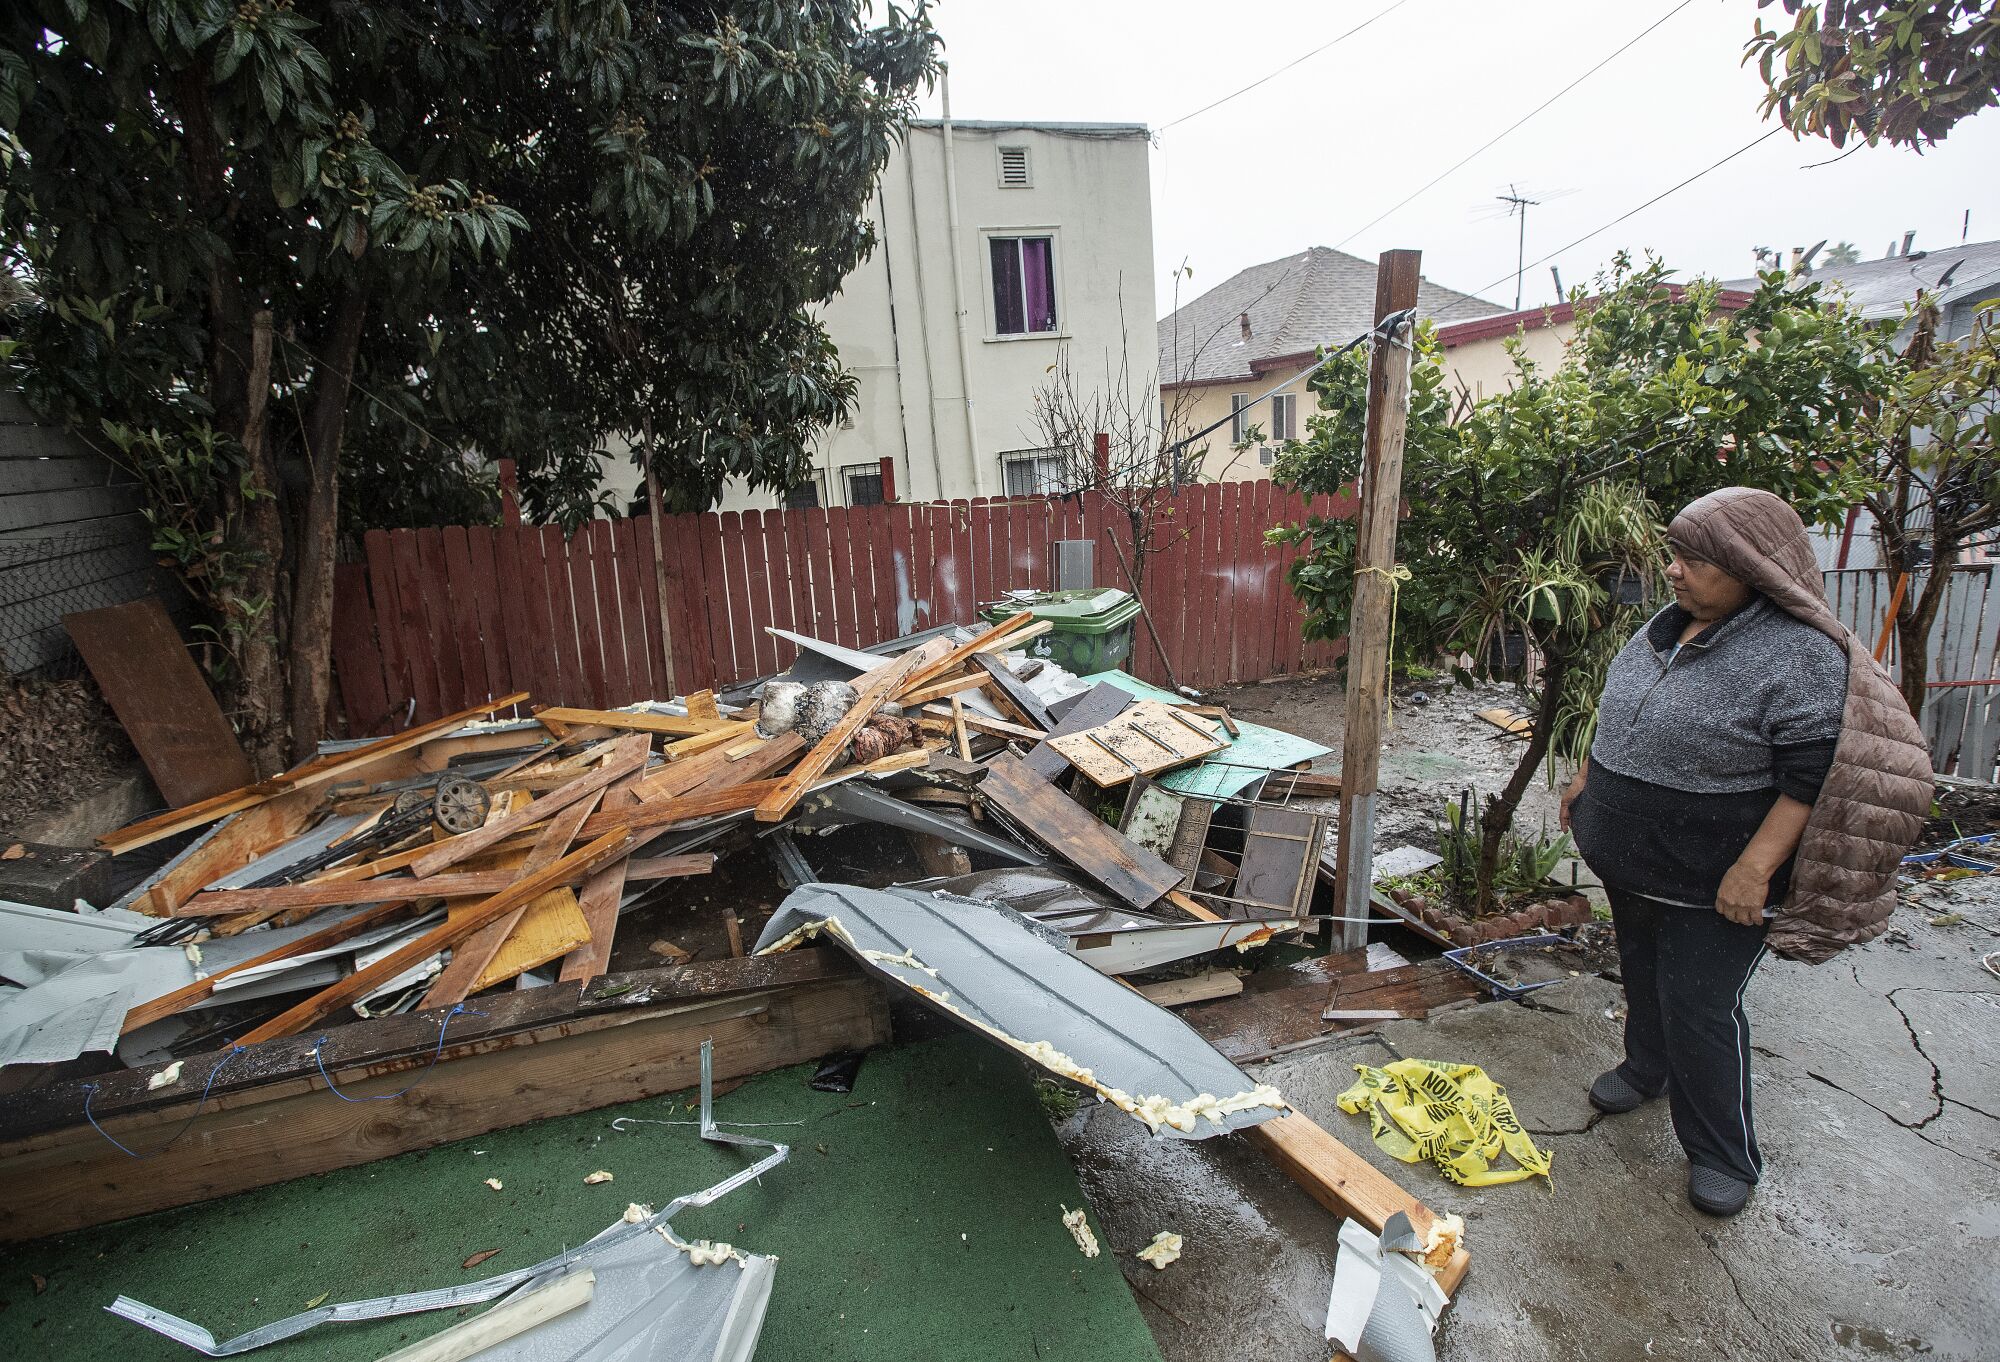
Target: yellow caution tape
[1451, 1114]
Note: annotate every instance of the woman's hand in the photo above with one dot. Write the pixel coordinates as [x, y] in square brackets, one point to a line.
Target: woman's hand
[1570, 792]
[1742, 895]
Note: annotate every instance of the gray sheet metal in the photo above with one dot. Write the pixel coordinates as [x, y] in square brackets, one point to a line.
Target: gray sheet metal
[733, 1333]
[860, 801]
[990, 968]
[75, 979]
[329, 831]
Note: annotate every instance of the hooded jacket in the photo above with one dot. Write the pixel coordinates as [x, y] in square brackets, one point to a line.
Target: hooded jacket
[1870, 810]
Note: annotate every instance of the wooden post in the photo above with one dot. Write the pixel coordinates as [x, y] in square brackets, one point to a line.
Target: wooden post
[1371, 620]
[659, 560]
[888, 467]
[510, 494]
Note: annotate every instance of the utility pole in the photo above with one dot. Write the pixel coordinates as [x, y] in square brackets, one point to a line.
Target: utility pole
[1517, 203]
[1372, 618]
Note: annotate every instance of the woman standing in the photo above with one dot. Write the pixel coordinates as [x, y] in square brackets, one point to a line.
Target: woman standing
[1754, 782]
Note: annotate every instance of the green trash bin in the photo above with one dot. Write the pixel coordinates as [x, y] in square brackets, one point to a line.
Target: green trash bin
[1093, 627]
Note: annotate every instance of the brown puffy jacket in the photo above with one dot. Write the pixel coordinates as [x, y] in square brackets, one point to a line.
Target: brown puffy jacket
[1872, 807]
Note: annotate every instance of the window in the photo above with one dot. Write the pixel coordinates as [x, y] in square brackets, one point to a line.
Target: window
[804, 495]
[1284, 417]
[1024, 285]
[1032, 475]
[1266, 455]
[1239, 418]
[864, 484]
[1014, 168]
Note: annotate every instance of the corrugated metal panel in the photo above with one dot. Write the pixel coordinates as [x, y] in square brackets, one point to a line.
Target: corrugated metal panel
[992, 969]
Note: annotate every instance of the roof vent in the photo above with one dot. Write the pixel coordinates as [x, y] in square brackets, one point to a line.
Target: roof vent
[1014, 168]
[1243, 323]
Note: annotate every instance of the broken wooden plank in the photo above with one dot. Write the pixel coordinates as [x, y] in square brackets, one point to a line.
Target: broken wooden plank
[223, 902]
[949, 688]
[362, 982]
[1016, 694]
[1199, 988]
[958, 734]
[1302, 784]
[1132, 873]
[1344, 1182]
[955, 657]
[701, 705]
[1100, 704]
[136, 656]
[318, 771]
[523, 1057]
[455, 849]
[235, 844]
[874, 689]
[1512, 722]
[669, 867]
[673, 725]
[471, 959]
[705, 769]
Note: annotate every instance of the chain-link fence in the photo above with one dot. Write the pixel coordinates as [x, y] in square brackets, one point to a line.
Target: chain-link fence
[46, 576]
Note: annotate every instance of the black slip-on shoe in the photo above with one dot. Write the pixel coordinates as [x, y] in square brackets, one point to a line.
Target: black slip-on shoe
[1613, 1096]
[1716, 1192]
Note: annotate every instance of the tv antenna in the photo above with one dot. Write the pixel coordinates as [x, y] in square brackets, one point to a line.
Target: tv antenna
[1518, 203]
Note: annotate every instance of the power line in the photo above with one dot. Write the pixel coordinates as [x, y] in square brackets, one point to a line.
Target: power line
[1599, 231]
[1469, 156]
[1286, 67]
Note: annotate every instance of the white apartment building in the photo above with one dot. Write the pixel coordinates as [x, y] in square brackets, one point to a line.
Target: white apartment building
[999, 245]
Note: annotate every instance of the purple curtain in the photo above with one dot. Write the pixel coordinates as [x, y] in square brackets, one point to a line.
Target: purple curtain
[1008, 318]
[1038, 283]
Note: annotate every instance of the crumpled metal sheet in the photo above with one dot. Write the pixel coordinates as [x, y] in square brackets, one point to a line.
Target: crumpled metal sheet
[77, 978]
[994, 970]
[1102, 932]
[650, 1308]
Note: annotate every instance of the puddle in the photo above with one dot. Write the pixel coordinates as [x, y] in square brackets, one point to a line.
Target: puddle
[1872, 1342]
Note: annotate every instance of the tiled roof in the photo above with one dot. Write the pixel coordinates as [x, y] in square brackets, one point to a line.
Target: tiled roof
[1295, 305]
[1882, 288]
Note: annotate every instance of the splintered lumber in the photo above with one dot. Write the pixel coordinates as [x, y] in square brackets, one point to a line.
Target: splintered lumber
[669, 867]
[705, 769]
[709, 803]
[473, 958]
[521, 1057]
[318, 771]
[136, 656]
[979, 723]
[241, 840]
[277, 898]
[675, 725]
[455, 849]
[726, 735]
[701, 705]
[167, 1004]
[1508, 721]
[1344, 1182]
[1016, 695]
[963, 742]
[952, 686]
[1128, 870]
[876, 689]
[597, 905]
[986, 643]
[362, 982]
[954, 658]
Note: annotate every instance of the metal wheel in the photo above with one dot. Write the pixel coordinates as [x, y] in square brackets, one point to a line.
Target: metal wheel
[462, 804]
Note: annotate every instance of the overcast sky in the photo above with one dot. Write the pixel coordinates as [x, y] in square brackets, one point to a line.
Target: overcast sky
[1310, 156]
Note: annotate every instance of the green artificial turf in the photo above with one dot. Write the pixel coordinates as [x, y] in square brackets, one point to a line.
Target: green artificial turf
[918, 1217]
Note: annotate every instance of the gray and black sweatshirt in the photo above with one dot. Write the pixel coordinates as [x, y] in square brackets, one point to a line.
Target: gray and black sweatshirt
[1695, 742]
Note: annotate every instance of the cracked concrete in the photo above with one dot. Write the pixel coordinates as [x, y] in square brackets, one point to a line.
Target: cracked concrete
[1872, 1236]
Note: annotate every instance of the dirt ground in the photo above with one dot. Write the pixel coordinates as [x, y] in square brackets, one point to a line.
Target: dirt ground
[1435, 748]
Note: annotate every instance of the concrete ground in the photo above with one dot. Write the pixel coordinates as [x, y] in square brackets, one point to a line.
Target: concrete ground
[1873, 1235]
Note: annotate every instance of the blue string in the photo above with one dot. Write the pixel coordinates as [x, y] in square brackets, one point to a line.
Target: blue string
[90, 1090]
[422, 1074]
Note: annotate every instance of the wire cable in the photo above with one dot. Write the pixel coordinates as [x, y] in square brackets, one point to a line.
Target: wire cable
[1282, 69]
[1599, 231]
[90, 1091]
[1482, 147]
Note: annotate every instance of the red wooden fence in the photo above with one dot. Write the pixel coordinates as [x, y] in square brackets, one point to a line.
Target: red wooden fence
[450, 617]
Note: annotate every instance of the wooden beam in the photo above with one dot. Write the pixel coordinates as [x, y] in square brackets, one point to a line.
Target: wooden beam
[707, 770]
[1215, 983]
[950, 686]
[956, 657]
[674, 725]
[1371, 620]
[455, 849]
[1344, 1182]
[313, 773]
[958, 730]
[669, 867]
[362, 982]
[875, 689]
[538, 1053]
[727, 735]
[277, 898]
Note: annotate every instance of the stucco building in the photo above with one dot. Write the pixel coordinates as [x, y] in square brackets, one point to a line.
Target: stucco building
[999, 246]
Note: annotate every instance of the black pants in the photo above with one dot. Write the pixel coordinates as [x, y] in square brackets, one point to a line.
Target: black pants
[1685, 971]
